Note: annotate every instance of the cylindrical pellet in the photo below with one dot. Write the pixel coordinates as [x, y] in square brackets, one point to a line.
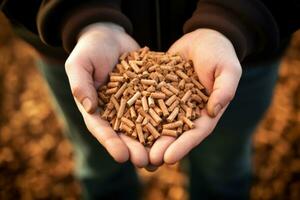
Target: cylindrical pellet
[116, 78]
[111, 90]
[151, 102]
[163, 107]
[158, 95]
[122, 108]
[183, 75]
[188, 122]
[186, 96]
[154, 115]
[170, 100]
[128, 122]
[173, 125]
[148, 82]
[173, 115]
[140, 134]
[115, 102]
[145, 104]
[131, 101]
[168, 132]
[166, 91]
[119, 93]
[173, 105]
[113, 84]
[152, 130]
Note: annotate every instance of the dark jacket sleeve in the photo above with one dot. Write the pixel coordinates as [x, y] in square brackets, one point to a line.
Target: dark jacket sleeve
[254, 27]
[60, 21]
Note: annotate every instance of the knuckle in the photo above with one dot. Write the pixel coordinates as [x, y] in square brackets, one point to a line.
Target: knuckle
[229, 96]
[68, 65]
[89, 127]
[77, 91]
[224, 97]
[234, 67]
[239, 70]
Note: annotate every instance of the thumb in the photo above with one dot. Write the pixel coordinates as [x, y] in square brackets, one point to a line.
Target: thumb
[82, 85]
[224, 88]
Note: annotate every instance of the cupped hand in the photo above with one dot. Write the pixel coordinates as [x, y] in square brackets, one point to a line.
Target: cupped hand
[96, 53]
[219, 70]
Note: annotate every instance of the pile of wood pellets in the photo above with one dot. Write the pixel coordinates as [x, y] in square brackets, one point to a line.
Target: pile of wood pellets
[150, 94]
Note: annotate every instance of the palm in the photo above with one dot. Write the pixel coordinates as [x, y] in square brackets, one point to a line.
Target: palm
[219, 71]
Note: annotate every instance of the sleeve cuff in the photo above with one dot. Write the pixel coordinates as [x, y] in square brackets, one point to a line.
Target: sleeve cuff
[83, 17]
[246, 36]
[57, 28]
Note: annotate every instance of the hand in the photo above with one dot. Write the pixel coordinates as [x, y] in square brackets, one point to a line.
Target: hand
[219, 70]
[94, 56]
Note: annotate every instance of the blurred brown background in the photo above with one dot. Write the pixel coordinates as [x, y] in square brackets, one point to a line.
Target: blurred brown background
[36, 160]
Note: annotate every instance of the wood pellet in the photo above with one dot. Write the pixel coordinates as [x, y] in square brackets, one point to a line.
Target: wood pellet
[150, 94]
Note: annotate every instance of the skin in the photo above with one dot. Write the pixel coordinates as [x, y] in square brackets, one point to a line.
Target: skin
[94, 56]
[96, 53]
[219, 70]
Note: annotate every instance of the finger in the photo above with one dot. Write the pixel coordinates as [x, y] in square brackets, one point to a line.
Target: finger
[150, 167]
[108, 60]
[104, 62]
[128, 44]
[177, 48]
[219, 76]
[103, 132]
[82, 84]
[137, 152]
[224, 89]
[202, 60]
[190, 139]
[157, 151]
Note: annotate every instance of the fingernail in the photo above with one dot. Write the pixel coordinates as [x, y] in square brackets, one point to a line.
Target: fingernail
[151, 168]
[87, 104]
[217, 109]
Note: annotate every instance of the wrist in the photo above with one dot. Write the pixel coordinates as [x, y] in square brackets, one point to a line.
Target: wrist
[104, 28]
[210, 34]
[212, 39]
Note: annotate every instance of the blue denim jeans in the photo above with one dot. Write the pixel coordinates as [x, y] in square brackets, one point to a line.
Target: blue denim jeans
[220, 167]
[99, 175]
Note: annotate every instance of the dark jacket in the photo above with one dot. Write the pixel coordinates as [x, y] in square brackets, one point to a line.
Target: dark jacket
[255, 27]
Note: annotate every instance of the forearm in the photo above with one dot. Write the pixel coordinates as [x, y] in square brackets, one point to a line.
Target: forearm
[76, 17]
[250, 25]
[58, 22]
